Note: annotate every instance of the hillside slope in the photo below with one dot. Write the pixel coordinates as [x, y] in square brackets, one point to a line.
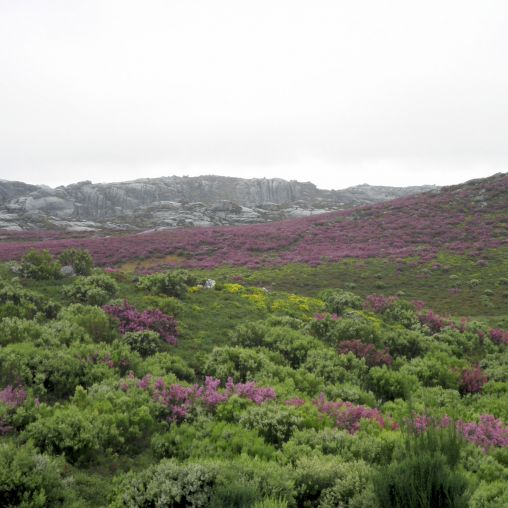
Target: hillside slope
[173, 201]
[468, 218]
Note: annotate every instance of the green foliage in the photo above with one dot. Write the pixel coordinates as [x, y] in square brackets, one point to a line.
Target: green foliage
[167, 484]
[39, 265]
[388, 384]
[337, 300]
[146, 343]
[79, 259]
[14, 329]
[353, 487]
[313, 475]
[242, 364]
[426, 474]
[16, 301]
[92, 319]
[29, 478]
[92, 290]
[274, 424]
[172, 283]
[210, 439]
[101, 421]
[490, 495]
[164, 364]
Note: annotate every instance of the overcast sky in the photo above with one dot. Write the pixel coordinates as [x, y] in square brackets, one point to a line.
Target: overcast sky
[335, 92]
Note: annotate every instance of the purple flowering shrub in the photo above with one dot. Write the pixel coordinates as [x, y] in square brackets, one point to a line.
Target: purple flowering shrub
[10, 399]
[368, 352]
[132, 320]
[489, 432]
[347, 416]
[181, 401]
[472, 380]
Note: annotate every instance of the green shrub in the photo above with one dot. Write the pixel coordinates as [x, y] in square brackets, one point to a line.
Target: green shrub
[167, 484]
[338, 300]
[92, 319]
[274, 423]
[16, 301]
[490, 495]
[163, 364]
[14, 329]
[239, 363]
[271, 502]
[30, 479]
[172, 283]
[390, 384]
[39, 265]
[99, 422]
[313, 475]
[210, 439]
[425, 474]
[353, 487]
[79, 259]
[92, 290]
[146, 343]
[356, 328]
[402, 313]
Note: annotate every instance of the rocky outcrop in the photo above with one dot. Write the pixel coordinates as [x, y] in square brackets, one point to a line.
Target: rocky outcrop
[173, 201]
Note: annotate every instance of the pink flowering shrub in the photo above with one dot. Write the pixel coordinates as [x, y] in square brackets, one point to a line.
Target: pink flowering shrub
[472, 380]
[433, 321]
[11, 398]
[368, 352]
[378, 303]
[489, 432]
[132, 320]
[181, 400]
[420, 225]
[346, 415]
[498, 336]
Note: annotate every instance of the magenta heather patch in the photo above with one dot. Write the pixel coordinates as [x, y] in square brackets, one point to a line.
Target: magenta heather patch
[347, 416]
[368, 352]
[490, 432]
[181, 400]
[499, 336]
[472, 380]
[419, 226]
[132, 320]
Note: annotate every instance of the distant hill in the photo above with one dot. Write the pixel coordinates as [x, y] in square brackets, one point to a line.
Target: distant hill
[169, 202]
[467, 218]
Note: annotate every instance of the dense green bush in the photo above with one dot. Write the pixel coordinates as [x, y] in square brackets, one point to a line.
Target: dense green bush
[146, 343]
[92, 319]
[205, 439]
[425, 474]
[16, 301]
[167, 484]
[30, 479]
[163, 364]
[39, 265]
[96, 423]
[390, 384]
[353, 487]
[275, 424]
[338, 300]
[172, 283]
[92, 290]
[79, 259]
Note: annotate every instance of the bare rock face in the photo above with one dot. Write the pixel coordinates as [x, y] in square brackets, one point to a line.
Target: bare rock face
[173, 201]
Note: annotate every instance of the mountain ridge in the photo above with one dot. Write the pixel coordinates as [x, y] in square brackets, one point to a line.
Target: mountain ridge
[173, 201]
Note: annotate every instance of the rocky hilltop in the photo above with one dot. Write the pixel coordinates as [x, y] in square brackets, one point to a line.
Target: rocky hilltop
[168, 202]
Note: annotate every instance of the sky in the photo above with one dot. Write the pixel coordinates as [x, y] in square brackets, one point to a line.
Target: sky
[393, 92]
